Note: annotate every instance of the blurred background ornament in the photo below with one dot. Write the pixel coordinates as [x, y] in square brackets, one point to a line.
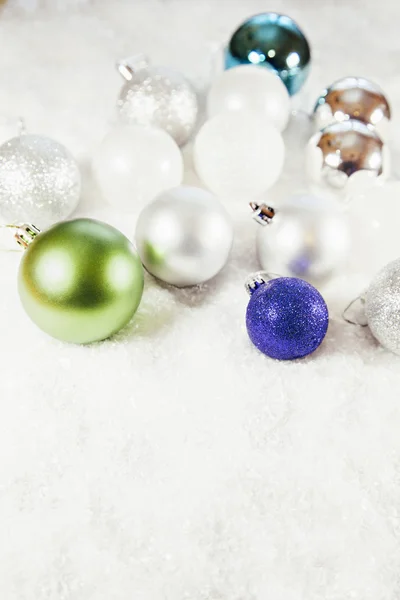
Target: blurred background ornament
[249, 88]
[184, 236]
[157, 96]
[305, 237]
[286, 318]
[133, 164]
[347, 151]
[273, 41]
[382, 307]
[80, 281]
[40, 180]
[238, 154]
[353, 98]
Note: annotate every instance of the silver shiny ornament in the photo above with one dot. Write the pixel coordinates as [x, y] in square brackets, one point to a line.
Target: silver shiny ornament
[353, 98]
[382, 307]
[184, 237]
[345, 151]
[157, 96]
[40, 181]
[307, 237]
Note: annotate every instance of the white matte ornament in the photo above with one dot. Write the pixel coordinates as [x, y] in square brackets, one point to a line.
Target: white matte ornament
[382, 307]
[308, 238]
[184, 236]
[40, 181]
[238, 155]
[133, 164]
[251, 88]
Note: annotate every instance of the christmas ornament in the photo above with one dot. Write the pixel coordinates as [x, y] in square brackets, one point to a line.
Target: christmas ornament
[344, 151]
[39, 180]
[238, 154]
[157, 96]
[184, 236]
[382, 307]
[286, 317]
[353, 98]
[249, 88]
[273, 41]
[133, 164]
[80, 281]
[306, 237]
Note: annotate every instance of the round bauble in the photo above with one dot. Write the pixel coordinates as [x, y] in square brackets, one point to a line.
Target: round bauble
[308, 237]
[133, 164]
[382, 307]
[273, 41]
[347, 151]
[286, 318]
[40, 181]
[238, 155]
[184, 236]
[248, 87]
[159, 97]
[353, 98]
[80, 281]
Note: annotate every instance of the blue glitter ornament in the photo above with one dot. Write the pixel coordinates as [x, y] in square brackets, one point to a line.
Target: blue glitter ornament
[286, 317]
[273, 41]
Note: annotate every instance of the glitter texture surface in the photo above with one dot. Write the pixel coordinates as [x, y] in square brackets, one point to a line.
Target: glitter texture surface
[160, 97]
[383, 307]
[287, 318]
[39, 181]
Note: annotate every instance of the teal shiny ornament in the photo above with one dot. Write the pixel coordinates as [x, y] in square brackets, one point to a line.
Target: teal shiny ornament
[80, 281]
[273, 41]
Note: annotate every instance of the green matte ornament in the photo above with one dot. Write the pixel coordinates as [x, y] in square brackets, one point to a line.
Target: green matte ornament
[80, 281]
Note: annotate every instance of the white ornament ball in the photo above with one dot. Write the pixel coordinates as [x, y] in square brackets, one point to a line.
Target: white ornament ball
[382, 307]
[238, 154]
[162, 98]
[308, 238]
[184, 236]
[40, 182]
[251, 88]
[133, 164]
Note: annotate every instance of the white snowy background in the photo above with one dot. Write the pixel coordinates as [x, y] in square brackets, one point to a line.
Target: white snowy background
[174, 462]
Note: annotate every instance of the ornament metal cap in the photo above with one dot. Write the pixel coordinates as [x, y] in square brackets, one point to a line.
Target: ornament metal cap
[262, 213]
[129, 66]
[255, 280]
[25, 234]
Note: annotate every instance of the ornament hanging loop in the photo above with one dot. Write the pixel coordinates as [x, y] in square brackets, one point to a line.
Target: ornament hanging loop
[254, 281]
[262, 213]
[354, 313]
[127, 67]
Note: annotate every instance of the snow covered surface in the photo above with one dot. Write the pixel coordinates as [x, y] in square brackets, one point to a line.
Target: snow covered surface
[174, 462]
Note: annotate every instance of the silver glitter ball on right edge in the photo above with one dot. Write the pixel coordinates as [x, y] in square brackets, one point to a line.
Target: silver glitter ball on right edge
[159, 97]
[347, 151]
[353, 98]
[383, 307]
[40, 181]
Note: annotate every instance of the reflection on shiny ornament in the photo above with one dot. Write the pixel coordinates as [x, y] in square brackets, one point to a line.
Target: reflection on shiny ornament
[343, 151]
[353, 98]
[275, 42]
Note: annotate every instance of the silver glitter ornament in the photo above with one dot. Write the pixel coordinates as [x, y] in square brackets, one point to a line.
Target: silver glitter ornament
[353, 98]
[40, 181]
[347, 151]
[157, 96]
[184, 236]
[382, 307]
[307, 237]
